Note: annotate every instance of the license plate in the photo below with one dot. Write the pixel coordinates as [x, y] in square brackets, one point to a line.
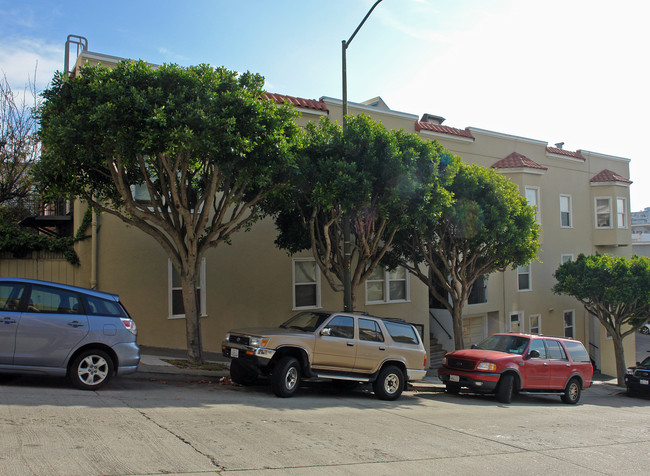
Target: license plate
[234, 353]
[454, 378]
[643, 382]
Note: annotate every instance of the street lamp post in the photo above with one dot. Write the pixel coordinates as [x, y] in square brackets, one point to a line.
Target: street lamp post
[347, 245]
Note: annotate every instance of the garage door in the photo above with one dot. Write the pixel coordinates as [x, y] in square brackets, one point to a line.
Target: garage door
[474, 330]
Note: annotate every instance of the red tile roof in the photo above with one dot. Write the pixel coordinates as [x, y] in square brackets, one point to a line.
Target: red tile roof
[566, 153]
[427, 126]
[517, 161]
[299, 102]
[609, 176]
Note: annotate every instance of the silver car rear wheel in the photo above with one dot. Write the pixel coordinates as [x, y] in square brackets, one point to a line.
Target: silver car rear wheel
[91, 370]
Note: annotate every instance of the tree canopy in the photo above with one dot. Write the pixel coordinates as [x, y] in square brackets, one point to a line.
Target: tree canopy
[376, 177]
[614, 289]
[487, 227]
[201, 144]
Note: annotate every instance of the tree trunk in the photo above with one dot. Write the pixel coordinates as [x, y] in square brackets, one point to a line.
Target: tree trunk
[457, 318]
[619, 354]
[192, 315]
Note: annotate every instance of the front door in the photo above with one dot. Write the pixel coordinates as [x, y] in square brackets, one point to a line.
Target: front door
[537, 369]
[10, 295]
[474, 330]
[335, 347]
[50, 328]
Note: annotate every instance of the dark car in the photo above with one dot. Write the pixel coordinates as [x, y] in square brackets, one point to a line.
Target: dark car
[59, 330]
[507, 364]
[637, 379]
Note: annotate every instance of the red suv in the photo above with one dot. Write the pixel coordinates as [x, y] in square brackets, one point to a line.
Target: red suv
[506, 364]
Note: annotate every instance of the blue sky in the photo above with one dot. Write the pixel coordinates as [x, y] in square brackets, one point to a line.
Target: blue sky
[572, 71]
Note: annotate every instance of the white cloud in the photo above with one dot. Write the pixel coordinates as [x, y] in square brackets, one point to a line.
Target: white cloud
[553, 71]
[21, 59]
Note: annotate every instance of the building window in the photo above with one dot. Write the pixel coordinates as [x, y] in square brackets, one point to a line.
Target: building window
[535, 324]
[621, 212]
[176, 306]
[532, 196]
[387, 286]
[140, 193]
[569, 324]
[515, 321]
[478, 294]
[566, 213]
[566, 257]
[306, 283]
[604, 212]
[523, 278]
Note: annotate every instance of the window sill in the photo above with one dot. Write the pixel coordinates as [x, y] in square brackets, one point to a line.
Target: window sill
[182, 316]
[306, 308]
[374, 303]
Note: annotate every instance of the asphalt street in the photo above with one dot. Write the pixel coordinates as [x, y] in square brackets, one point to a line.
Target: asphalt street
[155, 423]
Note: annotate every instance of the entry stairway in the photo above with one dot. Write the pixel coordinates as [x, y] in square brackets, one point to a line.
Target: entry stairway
[436, 354]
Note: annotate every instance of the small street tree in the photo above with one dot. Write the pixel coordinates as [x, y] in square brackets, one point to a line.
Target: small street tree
[19, 151]
[19, 145]
[614, 289]
[375, 176]
[202, 142]
[488, 227]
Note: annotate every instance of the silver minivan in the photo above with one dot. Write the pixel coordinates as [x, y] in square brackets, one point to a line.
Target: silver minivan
[59, 330]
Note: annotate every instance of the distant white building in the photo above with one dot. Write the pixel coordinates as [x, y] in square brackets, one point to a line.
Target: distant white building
[641, 232]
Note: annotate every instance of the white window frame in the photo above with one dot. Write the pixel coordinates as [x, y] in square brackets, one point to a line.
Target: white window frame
[519, 320]
[539, 323]
[170, 288]
[566, 257]
[569, 211]
[530, 277]
[573, 322]
[386, 288]
[538, 210]
[621, 215]
[294, 284]
[596, 214]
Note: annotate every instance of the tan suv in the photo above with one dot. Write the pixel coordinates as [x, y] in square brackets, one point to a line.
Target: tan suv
[339, 346]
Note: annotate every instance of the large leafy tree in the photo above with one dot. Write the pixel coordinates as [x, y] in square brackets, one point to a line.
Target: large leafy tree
[488, 227]
[614, 289]
[376, 177]
[203, 142]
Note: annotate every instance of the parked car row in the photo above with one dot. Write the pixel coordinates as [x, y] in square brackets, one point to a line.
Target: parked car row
[88, 336]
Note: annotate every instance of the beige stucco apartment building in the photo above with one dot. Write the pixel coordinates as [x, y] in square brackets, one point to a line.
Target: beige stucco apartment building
[582, 199]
